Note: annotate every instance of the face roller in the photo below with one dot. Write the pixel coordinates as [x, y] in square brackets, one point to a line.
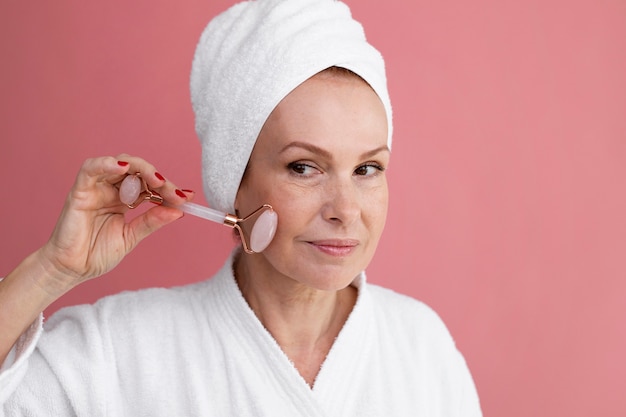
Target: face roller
[134, 191]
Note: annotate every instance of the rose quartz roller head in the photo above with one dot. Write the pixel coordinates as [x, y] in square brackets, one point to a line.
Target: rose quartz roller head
[134, 191]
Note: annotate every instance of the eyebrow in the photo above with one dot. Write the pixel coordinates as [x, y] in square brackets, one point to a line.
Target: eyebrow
[324, 153]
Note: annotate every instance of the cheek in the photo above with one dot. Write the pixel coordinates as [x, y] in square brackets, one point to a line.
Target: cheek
[375, 204]
[253, 194]
[295, 209]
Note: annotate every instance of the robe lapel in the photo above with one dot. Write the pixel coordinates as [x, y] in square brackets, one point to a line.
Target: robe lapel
[266, 375]
[349, 359]
[268, 372]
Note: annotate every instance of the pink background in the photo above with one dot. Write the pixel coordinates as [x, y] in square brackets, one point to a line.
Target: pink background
[508, 175]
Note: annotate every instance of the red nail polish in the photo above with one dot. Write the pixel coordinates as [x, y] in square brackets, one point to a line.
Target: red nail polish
[159, 176]
[122, 163]
[188, 191]
[180, 194]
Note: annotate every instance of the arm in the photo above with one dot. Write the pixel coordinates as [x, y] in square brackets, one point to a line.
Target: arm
[91, 237]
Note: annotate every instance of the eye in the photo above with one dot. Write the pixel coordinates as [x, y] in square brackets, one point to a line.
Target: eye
[368, 169]
[300, 168]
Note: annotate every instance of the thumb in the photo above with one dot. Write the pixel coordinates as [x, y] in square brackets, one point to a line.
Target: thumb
[150, 221]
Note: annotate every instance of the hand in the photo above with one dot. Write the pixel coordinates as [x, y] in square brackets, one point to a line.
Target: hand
[92, 236]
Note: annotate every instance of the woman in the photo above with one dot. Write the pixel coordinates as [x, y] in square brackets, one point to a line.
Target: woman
[292, 110]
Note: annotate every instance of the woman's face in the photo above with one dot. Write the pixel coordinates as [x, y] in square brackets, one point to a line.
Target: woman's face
[320, 161]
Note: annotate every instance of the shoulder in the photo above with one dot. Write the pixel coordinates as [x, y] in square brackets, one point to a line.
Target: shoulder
[139, 308]
[150, 310]
[414, 332]
[406, 317]
[418, 347]
[134, 328]
[393, 304]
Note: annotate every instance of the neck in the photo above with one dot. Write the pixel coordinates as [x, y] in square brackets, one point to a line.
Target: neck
[304, 321]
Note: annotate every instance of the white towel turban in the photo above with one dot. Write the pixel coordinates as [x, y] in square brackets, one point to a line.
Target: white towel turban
[249, 58]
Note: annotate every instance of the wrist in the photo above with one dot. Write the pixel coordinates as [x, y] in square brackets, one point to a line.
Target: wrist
[35, 283]
[50, 278]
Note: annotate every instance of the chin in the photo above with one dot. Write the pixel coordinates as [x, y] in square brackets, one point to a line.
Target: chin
[333, 283]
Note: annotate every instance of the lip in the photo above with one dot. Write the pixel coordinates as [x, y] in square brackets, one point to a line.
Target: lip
[335, 247]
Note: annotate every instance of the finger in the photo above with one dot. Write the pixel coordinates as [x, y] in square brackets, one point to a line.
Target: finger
[149, 222]
[95, 170]
[92, 187]
[182, 196]
[112, 170]
[140, 166]
[189, 193]
[158, 182]
[155, 180]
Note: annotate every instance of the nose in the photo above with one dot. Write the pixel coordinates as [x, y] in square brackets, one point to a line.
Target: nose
[342, 204]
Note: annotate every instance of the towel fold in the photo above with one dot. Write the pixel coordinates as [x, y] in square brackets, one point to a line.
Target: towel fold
[249, 58]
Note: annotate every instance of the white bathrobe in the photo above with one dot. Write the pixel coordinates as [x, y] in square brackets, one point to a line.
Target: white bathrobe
[199, 350]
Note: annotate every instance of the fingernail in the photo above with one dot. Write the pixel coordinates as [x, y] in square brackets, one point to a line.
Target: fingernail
[159, 176]
[188, 191]
[180, 194]
[122, 163]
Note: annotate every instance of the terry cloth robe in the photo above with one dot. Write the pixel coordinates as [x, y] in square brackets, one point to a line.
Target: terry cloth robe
[199, 350]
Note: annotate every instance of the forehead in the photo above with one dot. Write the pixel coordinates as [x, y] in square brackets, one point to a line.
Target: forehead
[329, 108]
